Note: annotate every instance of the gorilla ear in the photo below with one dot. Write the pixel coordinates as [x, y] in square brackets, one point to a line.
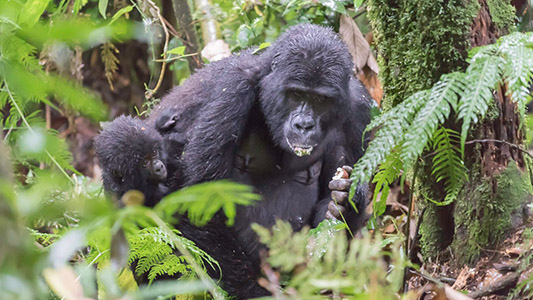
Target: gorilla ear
[275, 61]
[170, 123]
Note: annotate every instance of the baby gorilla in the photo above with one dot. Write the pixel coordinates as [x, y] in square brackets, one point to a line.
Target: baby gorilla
[133, 157]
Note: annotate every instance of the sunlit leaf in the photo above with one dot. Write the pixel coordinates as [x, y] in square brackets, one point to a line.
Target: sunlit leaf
[102, 7]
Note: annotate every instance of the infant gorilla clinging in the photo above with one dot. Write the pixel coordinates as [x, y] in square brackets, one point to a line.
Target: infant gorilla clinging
[134, 156]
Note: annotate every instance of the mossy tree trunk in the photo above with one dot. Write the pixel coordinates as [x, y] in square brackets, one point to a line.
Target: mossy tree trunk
[418, 41]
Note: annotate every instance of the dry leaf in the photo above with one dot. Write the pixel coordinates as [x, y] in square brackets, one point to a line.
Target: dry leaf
[366, 66]
[466, 274]
[514, 251]
[491, 276]
[357, 45]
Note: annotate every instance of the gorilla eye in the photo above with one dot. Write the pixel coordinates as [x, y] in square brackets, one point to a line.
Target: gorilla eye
[145, 162]
[320, 98]
[117, 174]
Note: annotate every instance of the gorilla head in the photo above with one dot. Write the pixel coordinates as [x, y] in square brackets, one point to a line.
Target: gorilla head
[132, 157]
[304, 93]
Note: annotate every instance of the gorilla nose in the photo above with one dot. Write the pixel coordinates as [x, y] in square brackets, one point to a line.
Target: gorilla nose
[159, 169]
[304, 123]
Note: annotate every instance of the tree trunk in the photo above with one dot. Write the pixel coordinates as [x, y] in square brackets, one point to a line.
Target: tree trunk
[186, 28]
[419, 41]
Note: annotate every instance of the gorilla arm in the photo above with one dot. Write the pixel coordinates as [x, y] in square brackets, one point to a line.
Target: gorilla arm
[349, 148]
[213, 142]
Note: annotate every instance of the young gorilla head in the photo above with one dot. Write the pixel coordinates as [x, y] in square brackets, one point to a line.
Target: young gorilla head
[131, 155]
[304, 94]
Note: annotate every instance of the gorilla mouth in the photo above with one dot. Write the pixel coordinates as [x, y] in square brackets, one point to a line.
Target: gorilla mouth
[300, 150]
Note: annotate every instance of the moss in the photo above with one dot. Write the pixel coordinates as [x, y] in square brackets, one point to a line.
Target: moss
[418, 41]
[503, 14]
[436, 230]
[485, 210]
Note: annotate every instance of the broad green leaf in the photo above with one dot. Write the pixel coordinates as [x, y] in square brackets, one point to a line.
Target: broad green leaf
[121, 12]
[102, 7]
[32, 11]
[178, 51]
[261, 47]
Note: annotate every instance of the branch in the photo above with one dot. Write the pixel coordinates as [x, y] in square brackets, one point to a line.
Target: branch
[502, 142]
[155, 10]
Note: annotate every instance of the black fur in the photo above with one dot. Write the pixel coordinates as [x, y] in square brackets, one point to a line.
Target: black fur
[251, 115]
[133, 156]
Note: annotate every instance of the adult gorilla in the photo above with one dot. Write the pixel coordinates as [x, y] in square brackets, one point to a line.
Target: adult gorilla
[284, 135]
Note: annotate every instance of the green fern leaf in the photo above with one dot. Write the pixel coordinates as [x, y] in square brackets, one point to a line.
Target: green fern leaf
[448, 165]
[443, 98]
[391, 134]
[483, 75]
[518, 68]
[155, 253]
[388, 172]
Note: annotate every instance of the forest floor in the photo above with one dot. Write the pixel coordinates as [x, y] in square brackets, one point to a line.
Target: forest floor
[496, 274]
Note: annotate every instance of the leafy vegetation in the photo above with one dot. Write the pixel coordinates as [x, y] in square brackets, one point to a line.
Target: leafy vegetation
[420, 122]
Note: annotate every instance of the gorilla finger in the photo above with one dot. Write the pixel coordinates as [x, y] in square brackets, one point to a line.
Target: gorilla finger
[329, 216]
[348, 169]
[340, 184]
[335, 210]
[340, 197]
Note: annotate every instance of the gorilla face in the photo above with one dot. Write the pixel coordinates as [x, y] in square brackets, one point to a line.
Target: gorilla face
[304, 126]
[131, 155]
[306, 93]
[153, 167]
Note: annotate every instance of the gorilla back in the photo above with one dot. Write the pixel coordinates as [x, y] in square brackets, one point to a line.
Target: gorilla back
[284, 135]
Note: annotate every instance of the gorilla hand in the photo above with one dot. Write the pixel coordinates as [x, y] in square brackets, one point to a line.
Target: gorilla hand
[340, 187]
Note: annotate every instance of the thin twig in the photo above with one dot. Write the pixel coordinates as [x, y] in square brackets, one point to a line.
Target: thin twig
[360, 13]
[500, 141]
[408, 227]
[175, 58]
[171, 28]
[155, 8]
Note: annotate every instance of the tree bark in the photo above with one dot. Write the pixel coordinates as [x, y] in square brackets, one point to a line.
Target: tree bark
[184, 20]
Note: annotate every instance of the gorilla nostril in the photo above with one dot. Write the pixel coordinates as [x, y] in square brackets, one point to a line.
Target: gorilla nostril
[304, 124]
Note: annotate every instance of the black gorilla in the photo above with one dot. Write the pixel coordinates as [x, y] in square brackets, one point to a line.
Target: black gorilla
[282, 122]
[133, 156]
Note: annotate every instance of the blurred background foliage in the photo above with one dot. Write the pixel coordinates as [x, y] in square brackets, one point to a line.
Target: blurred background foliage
[65, 66]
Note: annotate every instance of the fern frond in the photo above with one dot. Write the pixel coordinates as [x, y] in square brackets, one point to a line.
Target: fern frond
[448, 165]
[381, 119]
[392, 133]
[388, 172]
[443, 98]
[15, 49]
[202, 201]
[171, 265]
[155, 253]
[518, 69]
[483, 76]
